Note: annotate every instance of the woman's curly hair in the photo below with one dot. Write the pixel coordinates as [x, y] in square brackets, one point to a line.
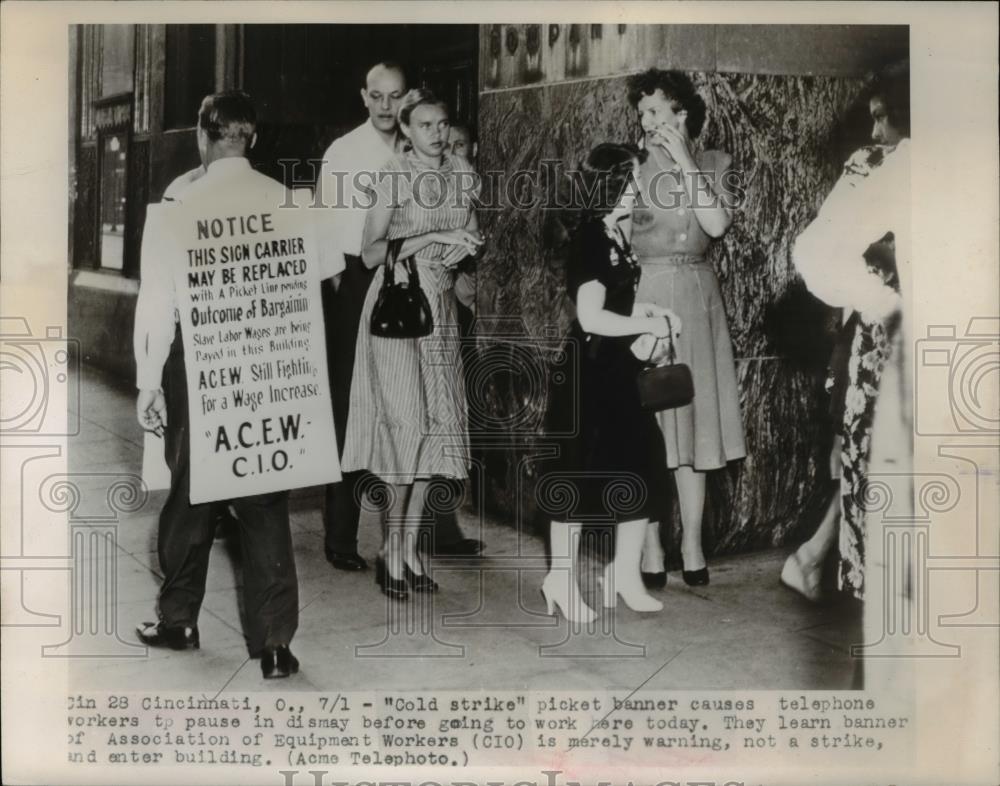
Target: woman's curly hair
[677, 87]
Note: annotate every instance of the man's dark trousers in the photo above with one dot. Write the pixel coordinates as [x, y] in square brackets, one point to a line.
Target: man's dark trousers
[186, 533]
[342, 315]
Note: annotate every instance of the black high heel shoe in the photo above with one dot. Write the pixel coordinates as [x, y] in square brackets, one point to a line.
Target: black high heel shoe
[421, 583]
[396, 589]
[654, 580]
[696, 578]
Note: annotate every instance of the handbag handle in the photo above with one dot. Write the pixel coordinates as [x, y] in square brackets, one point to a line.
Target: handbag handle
[411, 269]
[671, 355]
[392, 249]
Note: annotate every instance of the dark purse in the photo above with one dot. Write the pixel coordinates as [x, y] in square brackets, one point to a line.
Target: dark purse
[402, 309]
[665, 387]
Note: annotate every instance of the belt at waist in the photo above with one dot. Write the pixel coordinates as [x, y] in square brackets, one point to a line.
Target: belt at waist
[674, 260]
[433, 275]
[427, 260]
[423, 262]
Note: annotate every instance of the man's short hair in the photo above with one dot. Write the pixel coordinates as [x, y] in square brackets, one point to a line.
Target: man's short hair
[229, 115]
[388, 65]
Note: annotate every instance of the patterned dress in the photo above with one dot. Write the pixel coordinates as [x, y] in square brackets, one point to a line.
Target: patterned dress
[838, 268]
[408, 415]
[868, 355]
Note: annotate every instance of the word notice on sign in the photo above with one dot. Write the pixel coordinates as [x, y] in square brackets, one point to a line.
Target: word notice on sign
[248, 293]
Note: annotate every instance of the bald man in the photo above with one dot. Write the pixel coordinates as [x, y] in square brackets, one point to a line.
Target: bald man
[345, 163]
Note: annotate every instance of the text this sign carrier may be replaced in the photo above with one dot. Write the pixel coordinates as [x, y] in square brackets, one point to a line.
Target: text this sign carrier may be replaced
[247, 282]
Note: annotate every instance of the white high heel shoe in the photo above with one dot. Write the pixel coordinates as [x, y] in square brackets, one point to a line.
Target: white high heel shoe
[556, 591]
[635, 597]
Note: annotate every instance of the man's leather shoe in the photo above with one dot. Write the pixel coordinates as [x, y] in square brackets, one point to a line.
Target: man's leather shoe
[346, 560]
[278, 662]
[157, 634]
[466, 547]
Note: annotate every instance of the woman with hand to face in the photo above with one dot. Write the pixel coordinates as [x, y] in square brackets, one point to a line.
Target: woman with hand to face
[408, 419]
[686, 207]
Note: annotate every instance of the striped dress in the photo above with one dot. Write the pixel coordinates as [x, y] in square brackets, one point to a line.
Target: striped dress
[408, 413]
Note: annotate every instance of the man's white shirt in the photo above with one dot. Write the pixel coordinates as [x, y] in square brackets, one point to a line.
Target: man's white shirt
[348, 165]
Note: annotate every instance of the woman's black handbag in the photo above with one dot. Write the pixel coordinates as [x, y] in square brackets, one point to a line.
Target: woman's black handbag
[665, 387]
[402, 309]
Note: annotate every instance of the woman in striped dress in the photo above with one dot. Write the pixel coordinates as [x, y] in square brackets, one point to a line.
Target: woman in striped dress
[408, 418]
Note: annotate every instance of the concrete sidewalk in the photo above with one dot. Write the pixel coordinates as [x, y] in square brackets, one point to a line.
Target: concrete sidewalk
[486, 628]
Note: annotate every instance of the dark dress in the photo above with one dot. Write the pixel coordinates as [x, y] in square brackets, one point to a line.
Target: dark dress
[612, 462]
